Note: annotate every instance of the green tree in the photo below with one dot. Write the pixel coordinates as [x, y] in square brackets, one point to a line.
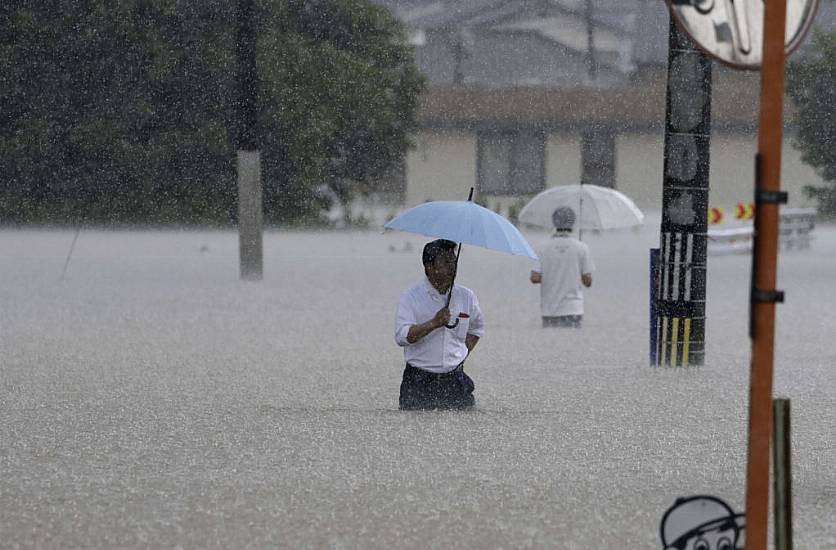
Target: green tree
[124, 111]
[114, 112]
[340, 93]
[811, 84]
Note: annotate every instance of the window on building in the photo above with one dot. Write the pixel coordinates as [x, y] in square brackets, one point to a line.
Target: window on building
[511, 163]
[598, 158]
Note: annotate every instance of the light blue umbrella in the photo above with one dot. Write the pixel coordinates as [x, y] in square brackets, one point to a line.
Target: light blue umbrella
[464, 222]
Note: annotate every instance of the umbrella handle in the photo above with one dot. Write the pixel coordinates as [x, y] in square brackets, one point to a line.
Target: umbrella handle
[452, 283]
[580, 215]
[450, 293]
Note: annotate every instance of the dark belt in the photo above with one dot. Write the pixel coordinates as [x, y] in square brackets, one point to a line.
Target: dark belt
[439, 375]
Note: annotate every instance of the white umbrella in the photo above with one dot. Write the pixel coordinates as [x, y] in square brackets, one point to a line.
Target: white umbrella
[596, 207]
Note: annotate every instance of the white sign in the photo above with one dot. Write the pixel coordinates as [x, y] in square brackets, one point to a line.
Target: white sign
[732, 30]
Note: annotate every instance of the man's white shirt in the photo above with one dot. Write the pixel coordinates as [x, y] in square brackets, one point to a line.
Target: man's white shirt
[562, 262]
[442, 349]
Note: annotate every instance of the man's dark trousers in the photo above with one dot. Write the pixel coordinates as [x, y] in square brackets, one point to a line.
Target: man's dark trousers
[421, 389]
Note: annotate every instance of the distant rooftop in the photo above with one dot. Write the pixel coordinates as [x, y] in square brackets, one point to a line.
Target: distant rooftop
[626, 34]
[525, 62]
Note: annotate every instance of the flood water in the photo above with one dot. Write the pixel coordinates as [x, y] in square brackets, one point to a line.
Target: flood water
[151, 399]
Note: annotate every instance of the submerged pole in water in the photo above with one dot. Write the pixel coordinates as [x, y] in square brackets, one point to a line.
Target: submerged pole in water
[249, 157]
[654, 322]
[782, 460]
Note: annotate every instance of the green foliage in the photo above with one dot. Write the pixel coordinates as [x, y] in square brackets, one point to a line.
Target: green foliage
[811, 84]
[124, 111]
[346, 119]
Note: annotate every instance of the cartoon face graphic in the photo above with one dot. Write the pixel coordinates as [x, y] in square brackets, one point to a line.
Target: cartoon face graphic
[701, 523]
[720, 540]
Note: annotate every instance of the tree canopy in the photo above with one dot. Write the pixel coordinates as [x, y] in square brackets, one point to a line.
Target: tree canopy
[811, 84]
[125, 111]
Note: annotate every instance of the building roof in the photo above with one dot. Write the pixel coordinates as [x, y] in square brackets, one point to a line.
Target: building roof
[641, 104]
[563, 22]
[640, 26]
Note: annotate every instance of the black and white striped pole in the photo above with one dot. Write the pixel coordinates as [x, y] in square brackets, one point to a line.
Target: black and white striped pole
[681, 277]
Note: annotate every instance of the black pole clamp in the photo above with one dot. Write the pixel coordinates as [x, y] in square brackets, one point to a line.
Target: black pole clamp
[771, 197]
[766, 197]
[767, 296]
[762, 297]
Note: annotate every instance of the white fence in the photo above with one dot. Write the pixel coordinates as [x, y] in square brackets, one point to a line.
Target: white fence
[795, 232]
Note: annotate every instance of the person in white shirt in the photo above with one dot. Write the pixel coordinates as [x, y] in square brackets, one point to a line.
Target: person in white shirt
[436, 338]
[565, 265]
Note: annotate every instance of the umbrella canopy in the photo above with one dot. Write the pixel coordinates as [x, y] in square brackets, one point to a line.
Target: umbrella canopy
[463, 222]
[596, 207]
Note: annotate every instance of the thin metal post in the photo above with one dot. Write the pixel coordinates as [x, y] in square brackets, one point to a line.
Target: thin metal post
[653, 325]
[764, 263]
[782, 460]
[249, 159]
[250, 241]
[591, 63]
[580, 212]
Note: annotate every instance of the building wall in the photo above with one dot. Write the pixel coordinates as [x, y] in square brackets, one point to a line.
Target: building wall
[503, 60]
[563, 159]
[506, 59]
[435, 59]
[733, 171]
[639, 170]
[442, 166]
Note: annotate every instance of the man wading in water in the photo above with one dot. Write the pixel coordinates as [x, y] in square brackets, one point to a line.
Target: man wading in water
[436, 342]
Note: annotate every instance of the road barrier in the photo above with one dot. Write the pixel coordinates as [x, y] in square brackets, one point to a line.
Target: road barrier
[796, 227]
[795, 231]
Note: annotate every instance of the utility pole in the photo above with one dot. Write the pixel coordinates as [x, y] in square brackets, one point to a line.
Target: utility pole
[768, 197]
[460, 53]
[248, 154]
[591, 64]
[680, 286]
[757, 35]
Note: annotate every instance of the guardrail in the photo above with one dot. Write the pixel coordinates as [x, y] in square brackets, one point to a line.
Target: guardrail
[796, 227]
[795, 231]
